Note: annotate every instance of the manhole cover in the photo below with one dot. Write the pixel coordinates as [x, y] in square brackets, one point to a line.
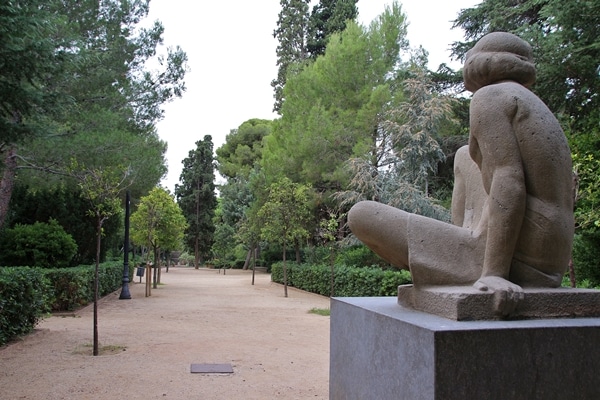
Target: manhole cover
[212, 369]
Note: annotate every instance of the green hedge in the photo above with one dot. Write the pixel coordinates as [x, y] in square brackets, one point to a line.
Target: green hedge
[349, 281]
[23, 301]
[74, 287]
[26, 294]
[586, 253]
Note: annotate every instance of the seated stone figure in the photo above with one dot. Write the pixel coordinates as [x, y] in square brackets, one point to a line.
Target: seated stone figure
[512, 204]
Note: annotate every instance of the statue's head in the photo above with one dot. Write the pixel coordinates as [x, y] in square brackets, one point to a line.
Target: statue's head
[496, 57]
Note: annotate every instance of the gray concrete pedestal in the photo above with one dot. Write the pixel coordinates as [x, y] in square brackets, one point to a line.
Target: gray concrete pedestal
[382, 351]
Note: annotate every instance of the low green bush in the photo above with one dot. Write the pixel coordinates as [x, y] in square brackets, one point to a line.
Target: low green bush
[359, 256]
[41, 244]
[70, 287]
[348, 281]
[23, 301]
[186, 259]
[110, 277]
[74, 287]
[26, 294]
[586, 256]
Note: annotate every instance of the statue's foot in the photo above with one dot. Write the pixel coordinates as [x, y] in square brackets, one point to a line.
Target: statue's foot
[507, 295]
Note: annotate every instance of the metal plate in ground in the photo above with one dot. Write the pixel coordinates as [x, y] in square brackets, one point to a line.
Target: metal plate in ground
[211, 369]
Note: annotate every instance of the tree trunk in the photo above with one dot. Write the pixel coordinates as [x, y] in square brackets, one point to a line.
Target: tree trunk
[253, 262]
[196, 254]
[148, 279]
[98, 242]
[285, 291]
[148, 274]
[7, 183]
[159, 266]
[156, 265]
[574, 195]
[197, 239]
[332, 268]
[297, 246]
[248, 257]
[572, 274]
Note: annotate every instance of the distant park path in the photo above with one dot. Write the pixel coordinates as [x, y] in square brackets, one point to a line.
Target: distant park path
[276, 347]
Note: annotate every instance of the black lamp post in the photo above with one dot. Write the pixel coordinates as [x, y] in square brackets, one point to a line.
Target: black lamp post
[125, 295]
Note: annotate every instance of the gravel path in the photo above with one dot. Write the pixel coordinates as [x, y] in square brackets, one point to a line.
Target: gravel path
[276, 347]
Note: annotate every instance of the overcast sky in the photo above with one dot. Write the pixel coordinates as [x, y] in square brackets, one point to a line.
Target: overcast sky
[231, 57]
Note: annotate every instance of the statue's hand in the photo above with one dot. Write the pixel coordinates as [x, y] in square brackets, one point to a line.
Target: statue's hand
[507, 295]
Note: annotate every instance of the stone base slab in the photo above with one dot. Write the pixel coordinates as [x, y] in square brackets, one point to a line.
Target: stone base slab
[380, 350]
[465, 303]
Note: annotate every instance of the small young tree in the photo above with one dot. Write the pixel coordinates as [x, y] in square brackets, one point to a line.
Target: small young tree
[285, 215]
[328, 231]
[158, 223]
[101, 188]
[249, 231]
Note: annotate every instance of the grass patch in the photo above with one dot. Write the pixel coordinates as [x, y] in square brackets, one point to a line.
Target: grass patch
[320, 311]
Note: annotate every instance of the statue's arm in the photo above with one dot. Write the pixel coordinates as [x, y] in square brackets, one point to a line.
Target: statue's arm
[492, 126]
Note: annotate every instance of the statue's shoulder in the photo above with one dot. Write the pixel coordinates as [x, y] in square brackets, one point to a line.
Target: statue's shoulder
[502, 98]
[500, 90]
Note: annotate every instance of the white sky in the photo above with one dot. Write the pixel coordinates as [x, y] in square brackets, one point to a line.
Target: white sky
[231, 57]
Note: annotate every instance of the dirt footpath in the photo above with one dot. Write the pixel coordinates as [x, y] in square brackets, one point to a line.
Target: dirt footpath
[276, 347]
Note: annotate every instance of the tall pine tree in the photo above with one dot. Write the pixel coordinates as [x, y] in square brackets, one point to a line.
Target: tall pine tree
[196, 197]
[328, 17]
[292, 27]
[334, 105]
[303, 36]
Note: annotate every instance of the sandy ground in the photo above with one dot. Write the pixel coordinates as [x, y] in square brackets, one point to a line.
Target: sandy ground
[276, 347]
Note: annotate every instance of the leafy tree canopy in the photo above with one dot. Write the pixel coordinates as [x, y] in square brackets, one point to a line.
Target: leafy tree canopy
[87, 64]
[242, 149]
[286, 213]
[333, 106]
[30, 55]
[158, 221]
[303, 36]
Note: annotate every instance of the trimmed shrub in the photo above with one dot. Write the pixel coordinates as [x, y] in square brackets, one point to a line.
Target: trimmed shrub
[360, 256]
[110, 277]
[26, 294]
[349, 281]
[23, 294]
[45, 245]
[74, 287]
[586, 257]
[186, 259]
[70, 287]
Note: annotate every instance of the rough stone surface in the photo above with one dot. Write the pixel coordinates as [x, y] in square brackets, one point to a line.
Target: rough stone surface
[465, 303]
[512, 204]
[382, 351]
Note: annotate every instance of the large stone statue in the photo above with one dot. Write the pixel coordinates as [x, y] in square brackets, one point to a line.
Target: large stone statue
[512, 204]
